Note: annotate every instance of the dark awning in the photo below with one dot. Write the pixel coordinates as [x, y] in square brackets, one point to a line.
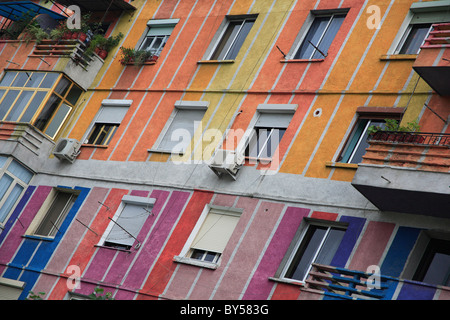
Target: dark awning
[98, 5]
[16, 10]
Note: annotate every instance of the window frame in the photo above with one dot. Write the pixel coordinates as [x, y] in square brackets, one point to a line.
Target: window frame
[147, 203]
[219, 37]
[16, 180]
[157, 23]
[109, 105]
[297, 242]
[60, 99]
[304, 30]
[45, 210]
[187, 251]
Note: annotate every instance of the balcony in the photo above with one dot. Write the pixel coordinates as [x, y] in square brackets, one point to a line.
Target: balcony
[99, 5]
[406, 172]
[433, 61]
[343, 284]
[25, 143]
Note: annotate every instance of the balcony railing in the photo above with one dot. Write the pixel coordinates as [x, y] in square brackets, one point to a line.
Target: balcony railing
[439, 37]
[435, 139]
[349, 284]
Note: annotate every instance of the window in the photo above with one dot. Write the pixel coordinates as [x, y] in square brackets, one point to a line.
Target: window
[179, 130]
[418, 25]
[44, 99]
[57, 207]
[14, 179]
[320, 35]
[10, 289]
[434, 267]
[107, 121]
[124, 228]
[318, 244]
[157, 35]
[210, 235]
[268, 130]
[356, 144]
[232, 37]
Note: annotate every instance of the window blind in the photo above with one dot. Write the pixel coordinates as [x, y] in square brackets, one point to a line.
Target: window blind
[215, 232]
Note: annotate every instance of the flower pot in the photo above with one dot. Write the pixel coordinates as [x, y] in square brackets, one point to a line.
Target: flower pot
[102, 54]
[82, 36]
[75, 35]
[153, 58]
[67, 35]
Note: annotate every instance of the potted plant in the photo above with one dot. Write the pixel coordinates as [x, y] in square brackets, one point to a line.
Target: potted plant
[392, 131]
[137, 57]
[101, 45]
[34, 31]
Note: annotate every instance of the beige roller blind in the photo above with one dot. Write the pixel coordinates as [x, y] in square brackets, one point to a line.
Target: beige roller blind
[215, 232]
[10, 289]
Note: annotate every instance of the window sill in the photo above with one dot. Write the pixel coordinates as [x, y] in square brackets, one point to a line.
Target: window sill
[197, 263]
[288, 281]
[39, 238]
[398, 57]
[301, 60]
[112, 248]
[215, 61]
[165, 152]
[341, 165]
[101, 146]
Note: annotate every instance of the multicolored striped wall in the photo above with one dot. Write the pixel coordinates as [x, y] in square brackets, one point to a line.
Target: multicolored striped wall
[252, 256]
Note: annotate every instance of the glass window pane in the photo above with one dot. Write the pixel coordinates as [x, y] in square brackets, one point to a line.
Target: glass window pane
[314, 34]
[33, 106]
[306, 253]
[8, 78]
[47, 112]
[10, 202]
[362, 144]
[415, 38]
[5, 183]
[62, 86]
[227, 40]
[20, 172]
[328, 37]
[439, 270]
[330, 246]
[55, 215]
[58, 120]
[272, 143]
[74, 94]
[21, 78]
[49, 80]
[19, 106]
[8, 102]
[240, 38]
[35, 79]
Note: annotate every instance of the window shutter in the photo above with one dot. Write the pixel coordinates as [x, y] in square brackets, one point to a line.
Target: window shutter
[160, 31]
[184, 119]
[111, 115]
[215, 232]
[271, 120]
[131, 219]
[10, 289]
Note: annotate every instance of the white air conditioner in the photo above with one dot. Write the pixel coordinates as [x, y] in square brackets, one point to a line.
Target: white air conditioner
[226, 162]
[67, 149]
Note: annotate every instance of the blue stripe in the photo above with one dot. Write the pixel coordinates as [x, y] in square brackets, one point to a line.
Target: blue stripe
[348, 241]
[398, 253]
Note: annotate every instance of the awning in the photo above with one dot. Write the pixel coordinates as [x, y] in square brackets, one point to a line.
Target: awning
[16, 10]
[98, 5]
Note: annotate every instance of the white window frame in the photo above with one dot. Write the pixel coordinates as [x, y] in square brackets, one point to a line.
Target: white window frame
[307, 26]
[157, 23]
[221, 32]
[264, 108]
[16, 180]
[146, 203]
[107, 103]
[416, 9]
[186, 252]
[179, 105]
[299, 237]
[46, 206]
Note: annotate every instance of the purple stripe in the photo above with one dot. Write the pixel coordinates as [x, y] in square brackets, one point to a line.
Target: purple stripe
[259, 287]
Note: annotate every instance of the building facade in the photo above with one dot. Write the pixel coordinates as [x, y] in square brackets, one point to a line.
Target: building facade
[257, 151]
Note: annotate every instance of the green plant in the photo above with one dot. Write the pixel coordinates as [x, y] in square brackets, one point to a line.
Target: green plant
[137, 57]
[34, 31]
[394, 125]
[112, 41]
[98, 294]
[34, 296]
[100, 42]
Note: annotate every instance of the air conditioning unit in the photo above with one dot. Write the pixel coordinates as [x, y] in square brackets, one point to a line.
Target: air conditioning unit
[226, 162]
[67, 149]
